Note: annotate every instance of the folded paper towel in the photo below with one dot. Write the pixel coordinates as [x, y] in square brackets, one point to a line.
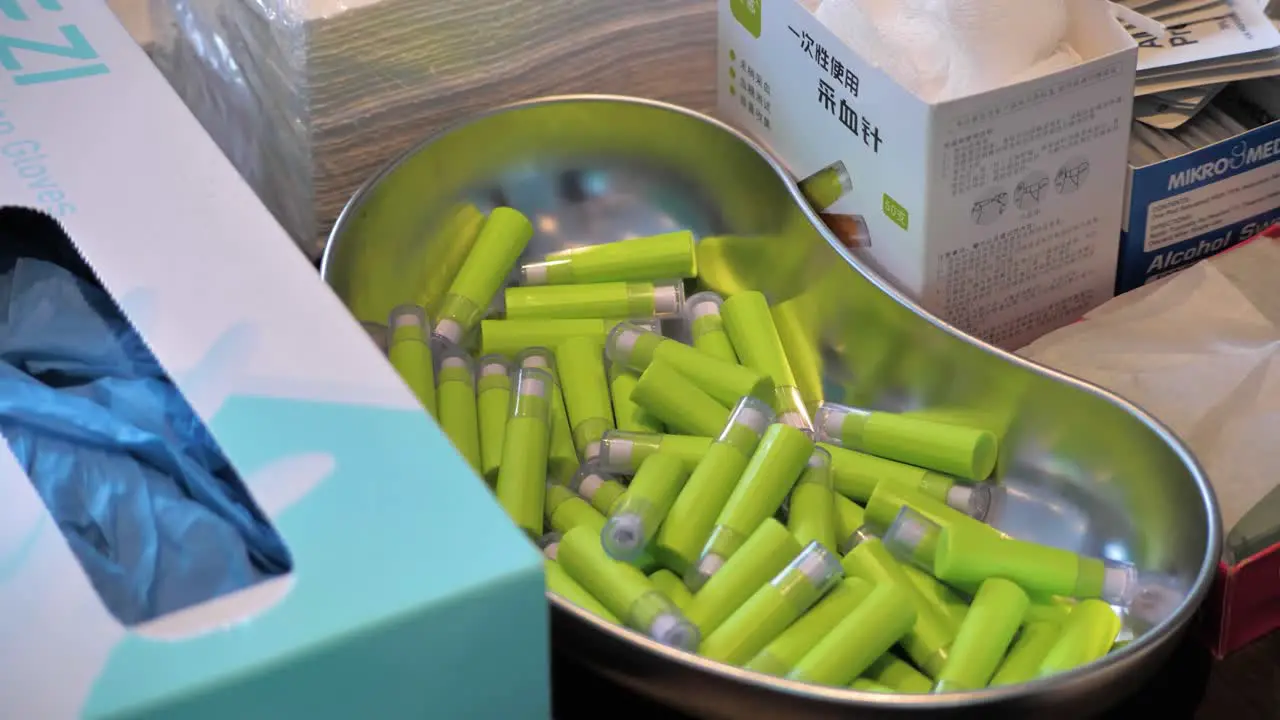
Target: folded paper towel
[1199, 350]
[947, 49]
[309, 98]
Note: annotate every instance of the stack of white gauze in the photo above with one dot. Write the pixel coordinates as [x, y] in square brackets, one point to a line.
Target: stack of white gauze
[1199, 350]
[947, 49]
[309, 98]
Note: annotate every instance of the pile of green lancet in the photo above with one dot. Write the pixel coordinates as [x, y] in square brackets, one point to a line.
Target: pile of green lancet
[686, 490]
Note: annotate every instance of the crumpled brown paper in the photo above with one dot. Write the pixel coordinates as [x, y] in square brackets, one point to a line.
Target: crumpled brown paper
[1199, 350]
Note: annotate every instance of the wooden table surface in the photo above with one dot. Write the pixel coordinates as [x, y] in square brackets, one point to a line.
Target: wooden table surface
[1244, 686]
[1192, 686]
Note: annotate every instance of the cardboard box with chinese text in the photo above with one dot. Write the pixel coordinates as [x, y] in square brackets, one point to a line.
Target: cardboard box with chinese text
[997, 212]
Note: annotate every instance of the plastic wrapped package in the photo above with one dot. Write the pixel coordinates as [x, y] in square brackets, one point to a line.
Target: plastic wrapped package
[308, 98]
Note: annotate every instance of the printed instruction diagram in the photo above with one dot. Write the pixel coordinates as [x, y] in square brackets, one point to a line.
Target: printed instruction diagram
[1030, 192]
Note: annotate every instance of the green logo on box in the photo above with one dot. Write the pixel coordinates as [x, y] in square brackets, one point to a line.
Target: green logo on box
[748, 14]
[894, 211]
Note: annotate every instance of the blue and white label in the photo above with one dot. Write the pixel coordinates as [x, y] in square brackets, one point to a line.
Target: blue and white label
[38, 46]
[1191, 207]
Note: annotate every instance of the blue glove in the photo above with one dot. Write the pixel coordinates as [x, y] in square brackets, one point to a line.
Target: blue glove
[153, 511]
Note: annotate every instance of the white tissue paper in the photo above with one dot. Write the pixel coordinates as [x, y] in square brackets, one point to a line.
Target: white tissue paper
[947, 49]
[1200, 351]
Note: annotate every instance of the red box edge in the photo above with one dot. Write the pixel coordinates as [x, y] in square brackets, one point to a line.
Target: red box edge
[1244, 603]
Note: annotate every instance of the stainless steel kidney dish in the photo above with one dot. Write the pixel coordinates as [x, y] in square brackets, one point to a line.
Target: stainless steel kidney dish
[1082, 469]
